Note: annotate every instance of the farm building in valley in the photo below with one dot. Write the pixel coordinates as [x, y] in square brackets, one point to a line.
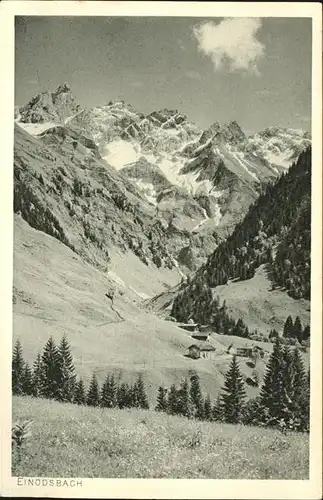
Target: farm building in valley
[189, 327]
[247, 351]
[200, 336]
[198, 332]
[201, 350]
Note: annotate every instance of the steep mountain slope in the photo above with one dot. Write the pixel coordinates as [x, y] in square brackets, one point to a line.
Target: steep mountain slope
[276, 232]
[55, 292]
[201, 181]
[65, 190]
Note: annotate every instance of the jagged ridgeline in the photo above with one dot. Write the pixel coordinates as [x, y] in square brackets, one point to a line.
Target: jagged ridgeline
[276, 232]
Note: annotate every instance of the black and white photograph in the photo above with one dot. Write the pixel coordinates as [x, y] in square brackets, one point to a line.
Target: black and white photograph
[162, 212]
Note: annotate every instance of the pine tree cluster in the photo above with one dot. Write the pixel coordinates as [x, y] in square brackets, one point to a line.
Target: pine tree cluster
[284, 399]
[186, 400]
[112, 395]
[218, 316]
[294, 330]
[53, 377]
[276, 231]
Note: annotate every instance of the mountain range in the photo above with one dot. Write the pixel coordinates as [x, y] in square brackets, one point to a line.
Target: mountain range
[197, 181]
[126, 212]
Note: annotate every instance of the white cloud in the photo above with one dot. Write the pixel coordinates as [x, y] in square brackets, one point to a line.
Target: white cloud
[232, 43]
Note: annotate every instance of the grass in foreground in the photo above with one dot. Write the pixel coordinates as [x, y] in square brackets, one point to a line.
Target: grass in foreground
[73, 441]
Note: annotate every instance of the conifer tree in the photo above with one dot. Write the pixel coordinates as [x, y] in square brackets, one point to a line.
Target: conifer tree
[300, 394]
[298, 330]
[161, 399]
[17, 369]
[217, 410]
[306, 332]
[272, 397]
[287, 370]
[305, 404]
[288, 328]
[207, 408]
[124, 396]
[240, 329]
[109, 393]
[196, 395]
[234, 393]
[139, 392]
[299, 379]
[80, 395]
[184, 404]
[93, 395]
[27, 380]
[50, 363]
[273, 334]
[67, 371]
[132, 398]
[252, 412]
[37, 377]
[172, 400]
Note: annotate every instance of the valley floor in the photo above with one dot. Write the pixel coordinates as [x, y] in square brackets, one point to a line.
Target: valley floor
[74, 441]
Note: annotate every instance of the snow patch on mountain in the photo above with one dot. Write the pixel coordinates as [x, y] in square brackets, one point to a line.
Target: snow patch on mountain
[243, 162]
[172, 169]
[282, 159]
[35, 128]
[119, 153]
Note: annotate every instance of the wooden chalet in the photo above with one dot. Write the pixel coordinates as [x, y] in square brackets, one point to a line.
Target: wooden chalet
[201, 350]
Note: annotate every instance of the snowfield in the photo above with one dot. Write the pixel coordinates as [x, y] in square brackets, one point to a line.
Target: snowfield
[36, 128]
[119, 153]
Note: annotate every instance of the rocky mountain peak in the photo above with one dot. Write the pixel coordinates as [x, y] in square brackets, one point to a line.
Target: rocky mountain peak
[53, 107]
[212, 131]
[62, 88]
[232, 132]
[168, 118]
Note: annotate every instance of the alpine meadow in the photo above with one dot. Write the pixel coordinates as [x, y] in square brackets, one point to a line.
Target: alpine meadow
[162, 247]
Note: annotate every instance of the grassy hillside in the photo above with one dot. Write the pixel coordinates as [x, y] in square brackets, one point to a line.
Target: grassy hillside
[254, 300]
[74, 441]
[56, 292]
[261, 307]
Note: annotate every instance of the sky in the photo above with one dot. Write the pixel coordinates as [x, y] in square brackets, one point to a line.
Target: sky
[256, 71]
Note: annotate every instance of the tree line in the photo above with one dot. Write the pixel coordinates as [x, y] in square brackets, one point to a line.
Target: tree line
[199, 298]
[293, 331]
[53, 376]
[283, 402]
[275, 232]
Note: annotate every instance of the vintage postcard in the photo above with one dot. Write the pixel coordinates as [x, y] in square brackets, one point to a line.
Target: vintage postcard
[161, 215]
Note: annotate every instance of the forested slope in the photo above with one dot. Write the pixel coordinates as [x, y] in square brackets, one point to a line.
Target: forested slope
[276, 232]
